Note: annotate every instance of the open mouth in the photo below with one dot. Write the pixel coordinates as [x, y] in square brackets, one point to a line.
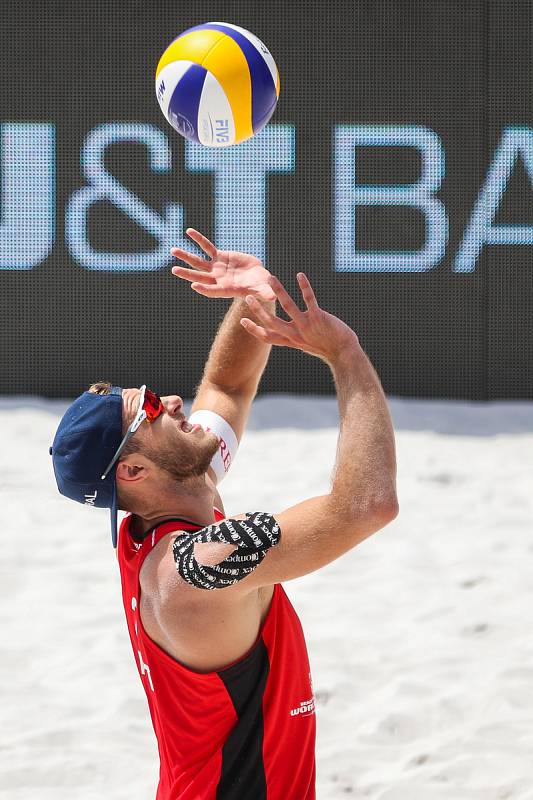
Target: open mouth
[186, 427]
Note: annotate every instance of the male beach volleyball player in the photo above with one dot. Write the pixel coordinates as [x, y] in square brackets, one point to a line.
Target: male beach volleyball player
[218, 646]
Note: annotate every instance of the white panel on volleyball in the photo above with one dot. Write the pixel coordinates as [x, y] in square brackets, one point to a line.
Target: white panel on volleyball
[260, 46]
[216, 127]
[167, 80]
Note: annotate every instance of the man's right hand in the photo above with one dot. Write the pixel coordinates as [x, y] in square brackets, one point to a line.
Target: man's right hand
[314, 330]
[362, 498]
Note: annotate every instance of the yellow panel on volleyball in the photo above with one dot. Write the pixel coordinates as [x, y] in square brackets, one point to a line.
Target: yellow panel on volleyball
[224, 59]
[228, 64]
[192, 46]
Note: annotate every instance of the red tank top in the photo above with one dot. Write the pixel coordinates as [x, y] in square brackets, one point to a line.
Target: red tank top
[245, 732]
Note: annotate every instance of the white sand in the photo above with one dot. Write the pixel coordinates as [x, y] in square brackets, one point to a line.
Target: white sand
[420, 640]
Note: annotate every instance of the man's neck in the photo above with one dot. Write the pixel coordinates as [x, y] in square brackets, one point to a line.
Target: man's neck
[197, 509]
[140, 528]
[195, 505]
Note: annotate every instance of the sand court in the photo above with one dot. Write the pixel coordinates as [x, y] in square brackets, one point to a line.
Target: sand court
[420, 639]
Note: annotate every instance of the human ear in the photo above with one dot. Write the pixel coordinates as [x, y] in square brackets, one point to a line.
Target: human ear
[130, 473]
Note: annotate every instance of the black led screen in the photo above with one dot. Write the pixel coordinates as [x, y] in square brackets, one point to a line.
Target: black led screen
[397, 171]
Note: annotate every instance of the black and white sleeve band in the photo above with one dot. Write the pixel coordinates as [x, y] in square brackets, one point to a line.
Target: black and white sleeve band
[252, 536]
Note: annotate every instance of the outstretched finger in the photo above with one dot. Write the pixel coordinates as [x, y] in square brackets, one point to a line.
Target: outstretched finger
[270, 320]
[203, 242]
[285, 300]
[268, 337]
[190, 258]
[193, 275]
[209, 291]
[307, 291]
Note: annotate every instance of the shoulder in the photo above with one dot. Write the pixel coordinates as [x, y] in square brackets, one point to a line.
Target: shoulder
[210, 565]
[160, 578]
[201, 629]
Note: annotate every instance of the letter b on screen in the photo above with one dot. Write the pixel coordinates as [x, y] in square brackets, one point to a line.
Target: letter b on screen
[348, 195]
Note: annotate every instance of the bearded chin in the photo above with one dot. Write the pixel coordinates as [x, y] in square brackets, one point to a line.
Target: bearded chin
[188, 463]
[211, 447]
[202, 463]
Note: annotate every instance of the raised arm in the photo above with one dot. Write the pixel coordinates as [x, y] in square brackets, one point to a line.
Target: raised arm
[236, 361]
[233, 370]
[259, 549]
[362, 498]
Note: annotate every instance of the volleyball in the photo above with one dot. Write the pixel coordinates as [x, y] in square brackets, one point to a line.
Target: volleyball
[217, 84]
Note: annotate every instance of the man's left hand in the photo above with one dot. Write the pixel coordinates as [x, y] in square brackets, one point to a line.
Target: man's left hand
[226, 274]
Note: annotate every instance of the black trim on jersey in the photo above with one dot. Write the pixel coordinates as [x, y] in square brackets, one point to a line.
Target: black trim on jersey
[242, 775]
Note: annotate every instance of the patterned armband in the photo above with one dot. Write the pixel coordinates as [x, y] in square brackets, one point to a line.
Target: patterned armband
[252, 536]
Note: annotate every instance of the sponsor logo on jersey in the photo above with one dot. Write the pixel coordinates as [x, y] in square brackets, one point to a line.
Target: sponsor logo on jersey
[305, 708]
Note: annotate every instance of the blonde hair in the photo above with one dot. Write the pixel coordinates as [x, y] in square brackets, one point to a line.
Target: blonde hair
[100, 387]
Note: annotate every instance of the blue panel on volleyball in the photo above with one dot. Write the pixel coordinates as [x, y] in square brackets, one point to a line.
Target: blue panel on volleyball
[185, 100]
[264, 96]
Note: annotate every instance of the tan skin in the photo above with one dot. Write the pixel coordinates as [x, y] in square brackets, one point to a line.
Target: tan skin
[209, 629]
[138, 471]
[206, 630]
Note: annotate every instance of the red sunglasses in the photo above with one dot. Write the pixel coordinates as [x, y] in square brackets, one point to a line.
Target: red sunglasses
[150, 408]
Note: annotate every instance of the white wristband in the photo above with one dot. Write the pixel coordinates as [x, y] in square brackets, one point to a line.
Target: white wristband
[225, 454]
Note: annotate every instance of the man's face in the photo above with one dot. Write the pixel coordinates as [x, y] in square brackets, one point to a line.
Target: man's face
[170, 442]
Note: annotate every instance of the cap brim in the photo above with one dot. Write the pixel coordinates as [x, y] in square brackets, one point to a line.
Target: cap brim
[114, 515]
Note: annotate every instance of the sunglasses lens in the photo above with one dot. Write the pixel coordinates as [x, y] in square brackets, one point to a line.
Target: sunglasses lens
[152, 405]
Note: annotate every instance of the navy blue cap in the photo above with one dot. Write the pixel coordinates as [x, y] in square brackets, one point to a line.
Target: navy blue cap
[86, 440]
